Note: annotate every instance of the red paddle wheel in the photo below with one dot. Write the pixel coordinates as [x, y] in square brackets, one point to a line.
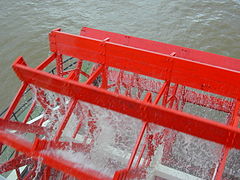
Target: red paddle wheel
[124, 108]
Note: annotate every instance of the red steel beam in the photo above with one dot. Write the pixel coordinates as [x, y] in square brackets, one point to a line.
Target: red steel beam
[183, 52]
[139, 139]
[71, 168]
[50, 159]
[189, 124]
[15, 141]
[15, 101]
[94, 75]
[31, 109]
[22, 127]
[234, 121]
[46, 62]
[64, 122]
[178, 70]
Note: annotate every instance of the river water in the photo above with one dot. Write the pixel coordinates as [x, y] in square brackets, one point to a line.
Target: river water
[208, 25]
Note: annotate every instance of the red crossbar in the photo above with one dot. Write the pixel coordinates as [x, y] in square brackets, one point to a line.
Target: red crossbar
[160, 47]
[21, 127]
[178, 70]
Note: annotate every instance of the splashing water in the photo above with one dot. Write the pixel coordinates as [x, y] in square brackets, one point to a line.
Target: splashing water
[111, 137]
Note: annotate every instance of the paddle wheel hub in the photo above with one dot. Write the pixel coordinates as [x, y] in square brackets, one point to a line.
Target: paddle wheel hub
[123, 108]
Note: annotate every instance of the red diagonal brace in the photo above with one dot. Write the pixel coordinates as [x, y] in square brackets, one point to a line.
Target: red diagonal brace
[17, 162]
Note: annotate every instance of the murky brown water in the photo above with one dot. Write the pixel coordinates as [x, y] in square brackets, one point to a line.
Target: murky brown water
[209, 25]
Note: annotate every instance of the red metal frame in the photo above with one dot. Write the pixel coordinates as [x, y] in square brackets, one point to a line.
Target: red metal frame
[149, 63]
[180, 66]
